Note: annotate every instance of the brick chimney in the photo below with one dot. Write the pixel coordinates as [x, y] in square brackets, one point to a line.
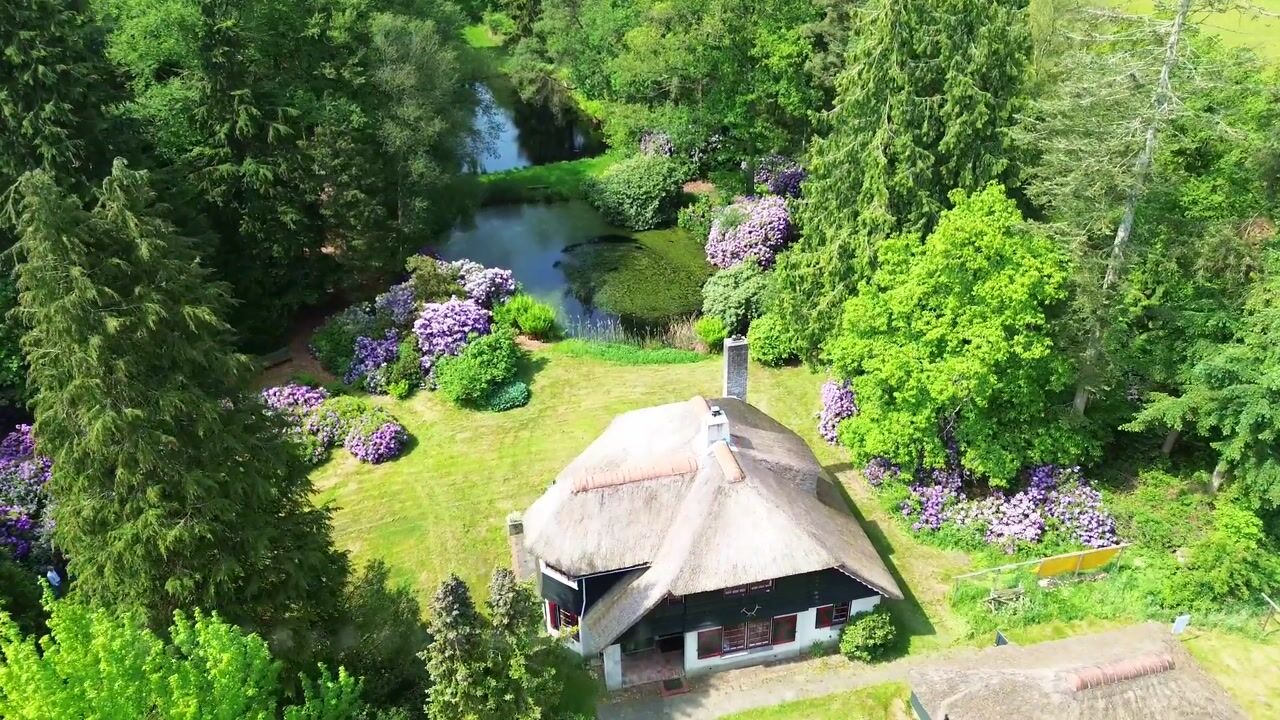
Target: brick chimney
[735, 367]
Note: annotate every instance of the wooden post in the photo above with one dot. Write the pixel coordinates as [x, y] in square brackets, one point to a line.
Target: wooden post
[1270, 613]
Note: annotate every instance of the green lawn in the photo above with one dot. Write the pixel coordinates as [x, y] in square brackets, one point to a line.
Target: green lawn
[441, 507]
[878, 702]
[1238, 27]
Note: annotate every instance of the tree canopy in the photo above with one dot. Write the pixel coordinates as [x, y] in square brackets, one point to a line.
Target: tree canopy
[951, 341]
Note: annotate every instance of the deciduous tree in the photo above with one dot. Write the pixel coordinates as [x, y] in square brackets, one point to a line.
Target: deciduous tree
[950, 347]
[108, 664]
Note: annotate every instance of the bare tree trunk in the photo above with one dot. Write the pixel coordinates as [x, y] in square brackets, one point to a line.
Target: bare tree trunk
[1169, 441]
[1219, 477]
[1141, 168]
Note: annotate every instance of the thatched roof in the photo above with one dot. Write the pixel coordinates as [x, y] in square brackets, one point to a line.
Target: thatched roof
[653, 493]
[1133, 673]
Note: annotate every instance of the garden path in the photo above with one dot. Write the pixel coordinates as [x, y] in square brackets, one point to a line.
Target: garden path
[734, 691]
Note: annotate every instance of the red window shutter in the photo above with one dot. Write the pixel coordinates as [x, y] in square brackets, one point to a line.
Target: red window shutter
[709, 642]
[553, 611]
[824, 617]
[784, 630]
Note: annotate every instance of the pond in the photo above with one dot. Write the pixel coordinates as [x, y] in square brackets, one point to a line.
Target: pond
[568, 255]
[519, 134]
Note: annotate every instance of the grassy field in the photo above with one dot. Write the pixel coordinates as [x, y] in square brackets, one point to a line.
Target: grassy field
[1257, 27]
[441, 507]
[878, 702]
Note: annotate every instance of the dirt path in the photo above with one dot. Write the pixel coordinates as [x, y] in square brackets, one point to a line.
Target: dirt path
[733, 691]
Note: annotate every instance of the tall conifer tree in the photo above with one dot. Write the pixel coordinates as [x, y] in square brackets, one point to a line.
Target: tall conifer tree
[173, 487]
[53, 84]
[922, 108]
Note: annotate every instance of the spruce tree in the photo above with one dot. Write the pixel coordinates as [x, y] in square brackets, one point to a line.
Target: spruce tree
[173, 488]
[522, 653]
[922, 107]
[458, 658]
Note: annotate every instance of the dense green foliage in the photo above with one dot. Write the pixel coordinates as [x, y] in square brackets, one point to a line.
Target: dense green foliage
[527, 315]
[497, 667]
[955, 334]
[103, 663]
[639, 193]
[320, 140]
[914, 119]
[737, 295]
[173, 489]
[736, 69]
[771, 342]
[485, 364]
[711, 331]
[868, 636]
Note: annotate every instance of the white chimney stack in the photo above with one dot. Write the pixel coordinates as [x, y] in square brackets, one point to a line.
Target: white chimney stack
[735, 367]
[716, 426]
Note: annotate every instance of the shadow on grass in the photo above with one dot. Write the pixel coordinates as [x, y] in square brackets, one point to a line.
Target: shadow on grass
[908, 614]
[529, 367]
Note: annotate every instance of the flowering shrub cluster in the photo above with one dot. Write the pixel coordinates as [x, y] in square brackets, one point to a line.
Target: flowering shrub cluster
[489, 286]
[879, 470]
[372, 441]
[363, 343]
[656, 143]
[780, 175]
[318, 422]
[398, 302]
[25, 509]
[838, 403]
[753, 228]
[371, 356]
[1054, 500]
[444, 328]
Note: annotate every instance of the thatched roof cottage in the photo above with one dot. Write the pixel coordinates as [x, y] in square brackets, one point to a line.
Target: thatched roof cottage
[696, 535]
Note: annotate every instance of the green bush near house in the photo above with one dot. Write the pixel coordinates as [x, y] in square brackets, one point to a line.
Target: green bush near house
[334, 342]
[736, 295]
[868, 637]
[432, 282]
[640, 193]
[486, 363]
[527, 315]
[711, 330]
[698, 216]
[770, 342]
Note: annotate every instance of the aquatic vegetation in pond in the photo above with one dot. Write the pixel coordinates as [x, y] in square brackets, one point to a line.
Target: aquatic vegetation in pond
[648, 277]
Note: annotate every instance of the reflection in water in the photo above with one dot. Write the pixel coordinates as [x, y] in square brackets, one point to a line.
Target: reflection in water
[530, 240]
[518, 134]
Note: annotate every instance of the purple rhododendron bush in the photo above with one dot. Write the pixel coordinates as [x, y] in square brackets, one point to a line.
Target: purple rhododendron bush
[26, 522]
[1056, 507]
[443, 305]
[752, 229]
[317, 423]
